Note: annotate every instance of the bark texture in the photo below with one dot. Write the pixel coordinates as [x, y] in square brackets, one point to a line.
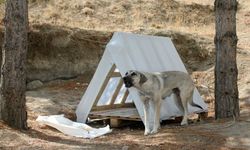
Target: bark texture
[13, 75]
[226, 72]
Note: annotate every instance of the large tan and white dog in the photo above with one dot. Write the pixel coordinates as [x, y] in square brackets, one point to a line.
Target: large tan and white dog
[155, 87]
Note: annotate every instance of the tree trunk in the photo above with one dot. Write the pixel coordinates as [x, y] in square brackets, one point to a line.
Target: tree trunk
[226, 72]
[13, 75]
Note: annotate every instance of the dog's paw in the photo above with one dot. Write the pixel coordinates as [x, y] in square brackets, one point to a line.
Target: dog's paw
[183, 123]
[154, 131]
[146, 132]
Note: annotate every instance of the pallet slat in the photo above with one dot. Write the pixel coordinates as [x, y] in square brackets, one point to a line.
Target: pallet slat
[119, 113]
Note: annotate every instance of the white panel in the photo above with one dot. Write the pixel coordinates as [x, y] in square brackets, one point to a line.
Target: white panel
[91, 93]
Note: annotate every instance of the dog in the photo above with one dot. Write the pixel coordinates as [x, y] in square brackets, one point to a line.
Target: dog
[155, 87]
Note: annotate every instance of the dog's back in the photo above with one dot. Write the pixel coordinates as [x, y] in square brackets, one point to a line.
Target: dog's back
[176, 79]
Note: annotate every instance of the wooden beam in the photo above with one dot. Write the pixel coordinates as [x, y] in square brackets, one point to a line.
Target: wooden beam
[117, 90]
[125, 97]
[116, 74]
[104, 84]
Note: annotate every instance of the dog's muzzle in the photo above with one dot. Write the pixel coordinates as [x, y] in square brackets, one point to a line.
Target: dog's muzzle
[128, 82]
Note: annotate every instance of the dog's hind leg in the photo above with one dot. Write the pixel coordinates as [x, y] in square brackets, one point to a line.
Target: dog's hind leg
[177, 99]
[184, 100]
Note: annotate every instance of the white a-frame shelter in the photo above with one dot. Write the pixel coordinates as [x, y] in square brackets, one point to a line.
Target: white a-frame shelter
[124, 52]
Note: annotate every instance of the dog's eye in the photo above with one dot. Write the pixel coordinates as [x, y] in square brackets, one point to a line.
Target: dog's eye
[126, 73]
[133, 74]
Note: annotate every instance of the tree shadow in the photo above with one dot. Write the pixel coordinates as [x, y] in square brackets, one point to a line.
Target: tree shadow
[75, 141]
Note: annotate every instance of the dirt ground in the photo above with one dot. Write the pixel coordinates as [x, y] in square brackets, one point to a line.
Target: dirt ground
[190, 17]
[61, 97]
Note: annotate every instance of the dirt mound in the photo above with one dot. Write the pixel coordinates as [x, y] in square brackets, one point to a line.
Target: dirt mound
[60, 52]
[57, 52]
[63, 50]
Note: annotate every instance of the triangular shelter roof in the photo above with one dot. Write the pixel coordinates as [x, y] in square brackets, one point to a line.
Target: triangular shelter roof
[138, 52]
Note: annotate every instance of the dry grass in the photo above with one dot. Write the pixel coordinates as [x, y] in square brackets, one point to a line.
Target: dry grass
[122, 15]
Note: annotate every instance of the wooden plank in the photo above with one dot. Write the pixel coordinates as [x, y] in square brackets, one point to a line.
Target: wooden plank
[104, 84]
[114, 123]
[116, 74]
[125, 97]
[121, 113]
[117, 90]
[105, 107]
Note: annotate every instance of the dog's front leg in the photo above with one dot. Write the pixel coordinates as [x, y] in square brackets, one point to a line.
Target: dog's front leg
[157, 108]
[146, 115]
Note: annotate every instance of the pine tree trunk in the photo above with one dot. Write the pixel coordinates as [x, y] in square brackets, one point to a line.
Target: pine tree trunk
[13, 75]
[226, 72]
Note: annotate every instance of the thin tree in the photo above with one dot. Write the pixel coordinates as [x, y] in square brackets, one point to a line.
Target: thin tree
[226, 72]
[13, 76]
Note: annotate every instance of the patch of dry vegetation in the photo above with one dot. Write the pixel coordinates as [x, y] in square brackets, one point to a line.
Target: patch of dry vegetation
[121, 15]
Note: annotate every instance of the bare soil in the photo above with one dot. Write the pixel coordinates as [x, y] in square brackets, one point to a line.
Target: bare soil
[186, 20]
[61, 97]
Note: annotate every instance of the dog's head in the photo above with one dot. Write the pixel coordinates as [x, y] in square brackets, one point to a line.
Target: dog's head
[134, 78]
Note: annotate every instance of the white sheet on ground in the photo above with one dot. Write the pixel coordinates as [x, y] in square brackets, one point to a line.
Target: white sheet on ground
[72, 128]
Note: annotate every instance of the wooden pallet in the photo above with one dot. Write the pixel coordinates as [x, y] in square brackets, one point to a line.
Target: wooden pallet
[123, 116]
[116, 116]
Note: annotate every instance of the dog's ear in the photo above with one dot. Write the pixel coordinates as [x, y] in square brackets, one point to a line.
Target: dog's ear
[143, 79]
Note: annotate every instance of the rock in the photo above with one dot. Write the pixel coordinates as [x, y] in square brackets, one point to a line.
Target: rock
[125, 147]
[34, 85]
